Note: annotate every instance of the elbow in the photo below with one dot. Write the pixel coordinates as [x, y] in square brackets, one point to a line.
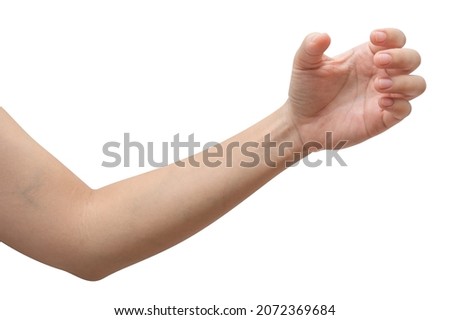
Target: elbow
[90, 259]
[88, 266]
[91, 276]
[88, 271]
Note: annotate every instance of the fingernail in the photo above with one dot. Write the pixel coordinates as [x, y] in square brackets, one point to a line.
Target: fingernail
[386, 102]
[384, 58]
[384, 83]
[380, 36]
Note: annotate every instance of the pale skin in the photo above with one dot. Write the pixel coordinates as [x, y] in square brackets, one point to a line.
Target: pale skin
[49, 214]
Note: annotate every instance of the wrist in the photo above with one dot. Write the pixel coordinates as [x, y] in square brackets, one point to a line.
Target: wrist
[284, 137]
[292, 129]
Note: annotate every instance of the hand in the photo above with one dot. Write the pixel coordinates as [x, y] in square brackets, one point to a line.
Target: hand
[356, 95]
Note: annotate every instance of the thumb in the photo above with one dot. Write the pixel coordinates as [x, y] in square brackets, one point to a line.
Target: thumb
[310, 55]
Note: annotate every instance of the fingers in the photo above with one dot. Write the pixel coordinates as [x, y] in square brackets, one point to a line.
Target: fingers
[388, 38]
[403, 86]
[397, 61]
[394, 110]
[310, 55]
[397, 87]
[396, 93]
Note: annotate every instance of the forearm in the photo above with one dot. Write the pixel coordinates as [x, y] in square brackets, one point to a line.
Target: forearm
[144, 215]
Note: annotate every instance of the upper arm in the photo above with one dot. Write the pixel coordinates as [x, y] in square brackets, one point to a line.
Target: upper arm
[41, 201]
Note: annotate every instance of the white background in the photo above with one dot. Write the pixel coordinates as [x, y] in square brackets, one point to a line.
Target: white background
[371, 238]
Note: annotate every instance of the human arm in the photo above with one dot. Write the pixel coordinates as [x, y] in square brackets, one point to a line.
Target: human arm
[47, 213]
[50, 215]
